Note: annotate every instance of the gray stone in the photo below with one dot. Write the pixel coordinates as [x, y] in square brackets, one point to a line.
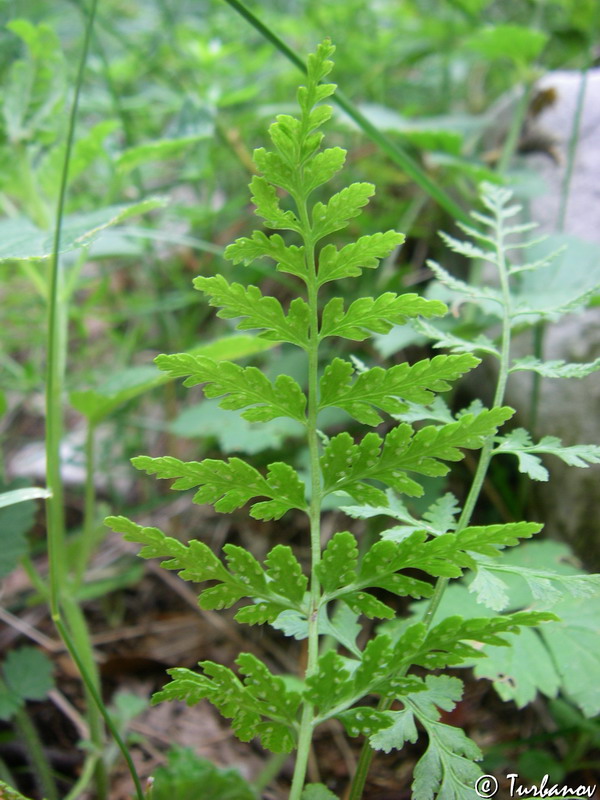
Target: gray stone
[570, 503]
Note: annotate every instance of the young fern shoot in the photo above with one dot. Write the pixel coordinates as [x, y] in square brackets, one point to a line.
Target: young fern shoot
[279, 592]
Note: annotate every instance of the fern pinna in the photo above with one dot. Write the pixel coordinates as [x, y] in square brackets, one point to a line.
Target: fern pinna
[338, 590]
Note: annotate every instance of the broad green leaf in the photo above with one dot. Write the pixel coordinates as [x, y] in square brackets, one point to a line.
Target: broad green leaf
[385, 389]
[518, 672]
[230, 484]
[85, 150]
[10, 703]
[233, 433]
[20, 240]
[555, 369]
[375, 315]
[340, 208]
[244, 386]
[34, 86]
[366, 252]
[28, 673]
[266, 313]
[515, 42]
[23, 495]
[159, 150]
[288, 258]
[574, 645]
[16, 520]
[569, 648]
[565, 285]
[127, 384]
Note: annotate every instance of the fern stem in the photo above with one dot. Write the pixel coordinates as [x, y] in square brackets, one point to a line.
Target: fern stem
[488, 446]
[308, 714]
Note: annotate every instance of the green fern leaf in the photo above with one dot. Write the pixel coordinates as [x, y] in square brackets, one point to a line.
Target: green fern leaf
[340, 208]
[285, 574]
[228, 485]
[338, 562]
[374, 664]
[288, 258]
[268, 689]
[489, 539]
[375, 315]
[330, 683]
[196, 561]
[364, 603]
[456, 344]
[259, 613]
[346, 464]
[266, 201]
[322, 168]
[364, 720]
[447, 770]
[519, 443]
[236, 300]
[450, 642]
[383, 389]
[244, 386]
[353, 258]
[555, 369]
